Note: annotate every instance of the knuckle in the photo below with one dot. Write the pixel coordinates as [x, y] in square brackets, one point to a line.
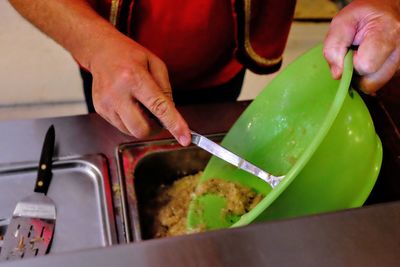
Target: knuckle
[141, 56]
[335, 20]
[162, 66]
[168, 93]
[159, 106]
[366, 67]
[137, 80]
[396, 30]
[102, 104]
[134, 77]
[158, 62]
[327, 54]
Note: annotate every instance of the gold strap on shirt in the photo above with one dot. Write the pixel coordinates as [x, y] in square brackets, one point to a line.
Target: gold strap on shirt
[114, 12]
[247, 44]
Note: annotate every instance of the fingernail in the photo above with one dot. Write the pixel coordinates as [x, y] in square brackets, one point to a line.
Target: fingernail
[184, 140]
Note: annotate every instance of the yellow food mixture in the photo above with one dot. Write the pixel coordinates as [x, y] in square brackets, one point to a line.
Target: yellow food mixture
[172, 206]
[239, 199]
[173, 201]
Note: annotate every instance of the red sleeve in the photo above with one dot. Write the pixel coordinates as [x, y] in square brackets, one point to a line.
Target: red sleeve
[262, 28]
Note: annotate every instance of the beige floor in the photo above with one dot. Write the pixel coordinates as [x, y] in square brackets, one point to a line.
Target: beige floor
[38, 78]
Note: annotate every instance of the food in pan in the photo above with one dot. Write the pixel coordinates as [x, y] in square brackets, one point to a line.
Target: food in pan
[172, 202]
[239, 199]
[171, 206]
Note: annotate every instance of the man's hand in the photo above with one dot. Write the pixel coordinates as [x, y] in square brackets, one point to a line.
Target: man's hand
[126, 74]
[374, 26]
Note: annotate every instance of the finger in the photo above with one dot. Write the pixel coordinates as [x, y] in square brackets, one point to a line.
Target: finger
[370, 83]
[337, 41]
[373, 52]
[159, 72]
[150, 95]
[105, 108]
[132, 117]
[116, 121]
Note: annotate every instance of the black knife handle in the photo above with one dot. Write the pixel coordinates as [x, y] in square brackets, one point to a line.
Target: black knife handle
[45, 163]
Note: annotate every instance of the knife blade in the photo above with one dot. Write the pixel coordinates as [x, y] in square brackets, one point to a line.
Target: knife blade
[228, 156]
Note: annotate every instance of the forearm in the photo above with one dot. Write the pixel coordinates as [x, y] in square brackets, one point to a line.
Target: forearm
[74, 24]
[124, 72]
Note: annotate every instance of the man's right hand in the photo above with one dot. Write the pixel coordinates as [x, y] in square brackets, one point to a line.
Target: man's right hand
[126, 74]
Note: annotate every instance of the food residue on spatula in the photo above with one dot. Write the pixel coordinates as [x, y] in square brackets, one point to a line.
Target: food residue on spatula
[172, 202]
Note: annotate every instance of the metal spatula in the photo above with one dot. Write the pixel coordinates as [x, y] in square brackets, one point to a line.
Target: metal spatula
[3, 228]
[224, 154]
[31, 228]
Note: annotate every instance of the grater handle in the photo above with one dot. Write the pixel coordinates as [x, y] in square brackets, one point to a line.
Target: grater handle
[45, 163]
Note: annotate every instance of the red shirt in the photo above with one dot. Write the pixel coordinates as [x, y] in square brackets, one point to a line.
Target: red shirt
[206, 42]
[195, 39]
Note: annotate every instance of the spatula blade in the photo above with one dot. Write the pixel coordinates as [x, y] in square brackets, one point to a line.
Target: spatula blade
[27, 237]
[32, 226]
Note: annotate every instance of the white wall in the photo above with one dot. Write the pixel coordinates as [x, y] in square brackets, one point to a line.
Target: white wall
[37, 76]
[302, 37]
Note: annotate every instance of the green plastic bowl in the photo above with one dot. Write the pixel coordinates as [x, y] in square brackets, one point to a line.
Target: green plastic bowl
[314, 130]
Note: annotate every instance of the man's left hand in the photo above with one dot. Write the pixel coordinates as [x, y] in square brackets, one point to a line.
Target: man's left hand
[373, 26]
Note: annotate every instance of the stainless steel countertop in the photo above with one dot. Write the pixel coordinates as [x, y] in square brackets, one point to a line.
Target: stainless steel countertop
[368, 236]
[21, 140]
[363, 237]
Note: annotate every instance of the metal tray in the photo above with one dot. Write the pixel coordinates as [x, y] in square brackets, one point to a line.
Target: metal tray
[81, 191]
[143, 167]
